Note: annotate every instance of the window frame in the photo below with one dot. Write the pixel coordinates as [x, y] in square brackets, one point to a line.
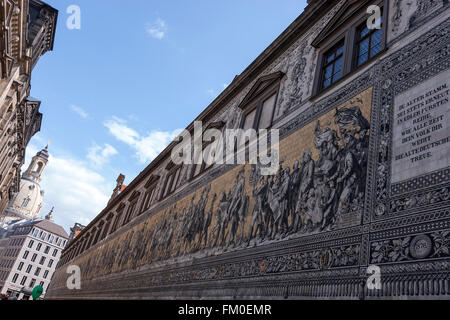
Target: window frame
[118, 216]
[347, 32]
[355, 40]
[172, 172]
[130, 210]
[325, 64]
[149, 197]
[257, 103]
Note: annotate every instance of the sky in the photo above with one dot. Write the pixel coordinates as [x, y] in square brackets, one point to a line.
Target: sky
[117, 91]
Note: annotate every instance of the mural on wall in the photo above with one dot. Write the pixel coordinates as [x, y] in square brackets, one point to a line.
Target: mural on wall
[318, 183]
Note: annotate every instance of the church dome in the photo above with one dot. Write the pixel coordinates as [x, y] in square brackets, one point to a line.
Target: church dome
[27, 203]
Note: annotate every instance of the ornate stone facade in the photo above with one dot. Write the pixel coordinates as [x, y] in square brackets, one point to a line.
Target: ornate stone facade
[333, 208]
[27, 31]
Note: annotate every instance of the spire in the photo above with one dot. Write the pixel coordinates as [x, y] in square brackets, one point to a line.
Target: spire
[49, 216]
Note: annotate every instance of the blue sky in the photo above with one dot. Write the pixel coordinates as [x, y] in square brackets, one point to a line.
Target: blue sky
[116, 92]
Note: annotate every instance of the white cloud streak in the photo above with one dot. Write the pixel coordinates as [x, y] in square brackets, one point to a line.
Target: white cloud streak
[79, 111]
[158, 29]
[100, 156]
[147, 147]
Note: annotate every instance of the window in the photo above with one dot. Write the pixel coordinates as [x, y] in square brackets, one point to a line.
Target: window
[33, 258]
[118, 217]
[52, 237]
[45, 274]
[38, 270]
[171, 180]
[25, 202]
[14, 279]
[30, 244]
[41, 283]
[29, 268]
[50, 263]
[347, 43]
[35, 232]
[42, 260]
[20, 266]
[368, 43]
[25, 255]
[130, 211]
[47, 249]
[38, 247]
[249, 120]
[105, 229]
[55, 252]
[24, 278]
[332, 69]
[43, 235]
[260, 113]
[32, 283]
[59, 242]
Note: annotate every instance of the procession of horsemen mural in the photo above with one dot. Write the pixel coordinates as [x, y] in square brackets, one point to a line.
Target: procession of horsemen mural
[309, 197]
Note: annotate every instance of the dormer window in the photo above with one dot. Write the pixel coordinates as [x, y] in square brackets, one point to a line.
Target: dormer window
[347, 42]
[259, 104]
[150, 193]
[171, 180]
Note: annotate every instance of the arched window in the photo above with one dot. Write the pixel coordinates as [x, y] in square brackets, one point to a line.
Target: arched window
[38, 167]
[25, 202]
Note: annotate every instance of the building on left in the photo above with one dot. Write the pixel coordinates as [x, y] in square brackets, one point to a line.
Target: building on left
[27, 31]
[29, 252]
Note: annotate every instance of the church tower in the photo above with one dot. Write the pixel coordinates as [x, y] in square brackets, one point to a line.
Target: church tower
[27, 203]
[37, 166]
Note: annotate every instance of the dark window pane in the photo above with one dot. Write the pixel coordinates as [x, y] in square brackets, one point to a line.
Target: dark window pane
[338, 66]
[362, 59]
[328, 72]
[249, 119]
[267, 111]
[340, 50]
[330, 57]
[377, 37]
[375, 50]
[363, 47]
[364, 32]
[326, 83]
[336, 77]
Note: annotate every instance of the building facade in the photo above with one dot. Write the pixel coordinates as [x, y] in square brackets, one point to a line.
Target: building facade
[27, 203]
[29, 253]
[363, 179]
[27, 31]
[75, 231]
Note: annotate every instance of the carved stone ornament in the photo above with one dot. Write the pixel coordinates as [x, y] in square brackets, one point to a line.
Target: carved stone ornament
[421, 247]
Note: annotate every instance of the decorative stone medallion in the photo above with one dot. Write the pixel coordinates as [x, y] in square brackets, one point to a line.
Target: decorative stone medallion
[420, 247]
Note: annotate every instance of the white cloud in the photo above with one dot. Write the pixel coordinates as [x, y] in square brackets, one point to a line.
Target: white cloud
[100, 156]
[158, 29]
[77, 193]
[147, 147]
[216, 92]
[79, 111]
